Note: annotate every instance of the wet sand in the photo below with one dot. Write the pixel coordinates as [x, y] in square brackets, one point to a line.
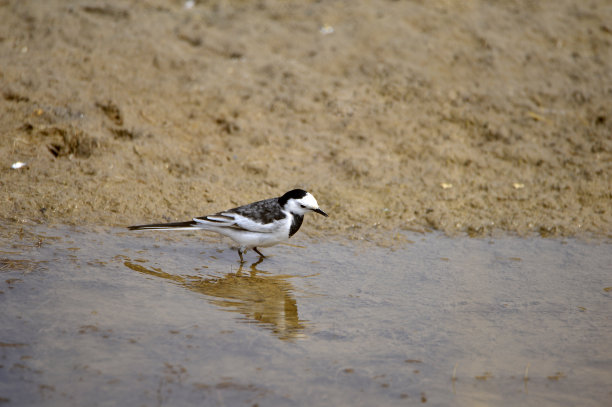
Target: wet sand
[112, 317]
[466, 117]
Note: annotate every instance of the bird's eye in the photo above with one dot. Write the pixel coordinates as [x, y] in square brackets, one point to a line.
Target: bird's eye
[303, 206]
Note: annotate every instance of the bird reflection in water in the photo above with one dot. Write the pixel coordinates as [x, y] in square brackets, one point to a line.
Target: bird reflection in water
[261, 298]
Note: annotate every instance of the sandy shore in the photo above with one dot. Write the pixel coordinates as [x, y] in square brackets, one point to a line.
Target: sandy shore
[469, 117]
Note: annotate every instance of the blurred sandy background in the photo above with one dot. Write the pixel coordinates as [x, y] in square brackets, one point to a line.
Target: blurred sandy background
[469, 117]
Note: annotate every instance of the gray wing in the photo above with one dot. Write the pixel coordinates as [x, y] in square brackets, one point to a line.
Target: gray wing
[266, 211]
[255, 217]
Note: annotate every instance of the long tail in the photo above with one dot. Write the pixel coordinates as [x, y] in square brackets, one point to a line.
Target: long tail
[167, 226]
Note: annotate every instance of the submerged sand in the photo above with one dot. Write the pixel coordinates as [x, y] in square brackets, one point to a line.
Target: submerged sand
[468, 117]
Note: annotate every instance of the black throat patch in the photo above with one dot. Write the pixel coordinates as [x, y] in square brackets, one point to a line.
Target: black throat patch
[295, 224]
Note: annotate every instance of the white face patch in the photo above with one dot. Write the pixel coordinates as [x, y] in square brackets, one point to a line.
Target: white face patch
[302, 205]
[309, 201]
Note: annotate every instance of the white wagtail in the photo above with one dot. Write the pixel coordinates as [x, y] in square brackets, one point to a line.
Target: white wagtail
[258, 224]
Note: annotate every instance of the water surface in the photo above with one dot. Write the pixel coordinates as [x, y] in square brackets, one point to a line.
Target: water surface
[113, 318]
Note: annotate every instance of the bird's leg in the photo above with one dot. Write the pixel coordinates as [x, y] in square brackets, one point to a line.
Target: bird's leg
[258, 252]
[240, 254]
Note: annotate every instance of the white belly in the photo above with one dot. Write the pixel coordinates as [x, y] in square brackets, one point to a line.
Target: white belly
[249, 240]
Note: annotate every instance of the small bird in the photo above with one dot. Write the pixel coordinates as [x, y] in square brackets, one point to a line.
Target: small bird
[258, 224]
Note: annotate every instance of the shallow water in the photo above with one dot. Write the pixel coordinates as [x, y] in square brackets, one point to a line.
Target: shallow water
[114, 318]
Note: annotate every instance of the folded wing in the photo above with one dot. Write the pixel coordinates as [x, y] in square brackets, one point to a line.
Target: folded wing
[232, 220]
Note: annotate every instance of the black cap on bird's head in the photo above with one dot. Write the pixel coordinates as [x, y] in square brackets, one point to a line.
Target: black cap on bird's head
[293, 194]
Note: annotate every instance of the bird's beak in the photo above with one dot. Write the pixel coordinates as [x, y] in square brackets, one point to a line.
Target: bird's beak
[319, 211]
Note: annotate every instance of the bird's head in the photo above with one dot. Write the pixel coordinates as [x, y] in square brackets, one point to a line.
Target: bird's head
[300, 202]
